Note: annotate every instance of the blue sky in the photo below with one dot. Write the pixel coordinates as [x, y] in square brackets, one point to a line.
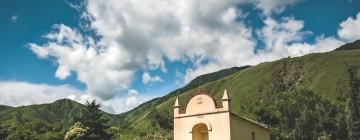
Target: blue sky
[123, 53]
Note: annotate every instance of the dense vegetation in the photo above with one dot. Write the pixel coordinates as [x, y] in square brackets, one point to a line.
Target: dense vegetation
[46, 121]
[296, 113]
[310, 97]
[90, 126]
[302, 115]
[354, 104]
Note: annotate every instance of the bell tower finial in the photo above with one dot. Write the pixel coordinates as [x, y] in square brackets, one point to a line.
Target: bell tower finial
[225, 96]
[176, 107]
[177, 102]
[226, 101]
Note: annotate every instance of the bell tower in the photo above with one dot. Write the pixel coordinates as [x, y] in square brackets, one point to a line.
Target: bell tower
[176, 107]
[226, 100]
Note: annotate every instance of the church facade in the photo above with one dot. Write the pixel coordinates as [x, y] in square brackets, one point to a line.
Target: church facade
[202, 119]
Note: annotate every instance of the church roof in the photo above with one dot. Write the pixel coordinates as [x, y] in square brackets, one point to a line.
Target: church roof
[251, 121]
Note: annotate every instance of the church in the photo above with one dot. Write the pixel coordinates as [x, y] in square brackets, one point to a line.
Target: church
[202, 119]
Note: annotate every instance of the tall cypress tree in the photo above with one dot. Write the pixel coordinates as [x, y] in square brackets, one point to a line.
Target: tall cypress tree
[93, 119]
[354, 104]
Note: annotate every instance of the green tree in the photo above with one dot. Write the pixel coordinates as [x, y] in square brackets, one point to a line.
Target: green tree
[77, 132]
[93, 119]
[161, 119]
[354, 104]
[300, 114]
[20, 132]
[3, 132]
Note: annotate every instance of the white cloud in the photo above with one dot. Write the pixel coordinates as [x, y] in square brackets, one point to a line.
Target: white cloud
[131, 100]
[201, 69]
[117, 104]
[14, 18]
[102, 68]
[322, 44]
[286, 38]
[147, 78]
[350, 29]
[281, 38]
[137, 34]
[179, 78]
[16, 93]
[270, 6]
[278, 34]
[41, 52]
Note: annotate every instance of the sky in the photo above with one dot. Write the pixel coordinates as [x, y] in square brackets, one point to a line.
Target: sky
[123, 53]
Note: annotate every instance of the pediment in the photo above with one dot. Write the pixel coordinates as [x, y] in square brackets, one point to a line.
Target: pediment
[200, 103]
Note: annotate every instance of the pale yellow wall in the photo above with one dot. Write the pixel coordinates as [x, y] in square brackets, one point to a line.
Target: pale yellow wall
[219, 123]
[241, 130]
[201, 109]
[222, 124]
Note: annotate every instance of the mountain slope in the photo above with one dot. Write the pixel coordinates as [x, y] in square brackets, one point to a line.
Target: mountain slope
[61, 111]
[323, 73]
[53, 119]
[143, 109]
[349, 46]
[251, 89]
[4, 107]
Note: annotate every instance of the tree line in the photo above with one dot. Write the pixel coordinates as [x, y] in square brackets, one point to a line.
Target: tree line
[297, 113]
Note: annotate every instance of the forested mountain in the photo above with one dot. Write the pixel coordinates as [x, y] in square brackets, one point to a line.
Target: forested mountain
[290, 95]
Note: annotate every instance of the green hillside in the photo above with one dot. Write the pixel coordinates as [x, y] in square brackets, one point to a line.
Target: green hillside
[259, 92]
[143, 109]
[48, 121]
[251, 89]
[61, 111]
[324, 73]
[4, 107]
[55, 118]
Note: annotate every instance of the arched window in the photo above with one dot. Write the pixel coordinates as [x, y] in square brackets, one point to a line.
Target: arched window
[200, 132]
